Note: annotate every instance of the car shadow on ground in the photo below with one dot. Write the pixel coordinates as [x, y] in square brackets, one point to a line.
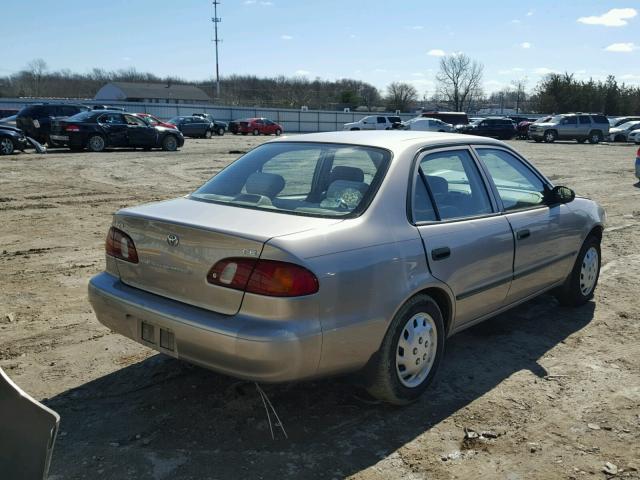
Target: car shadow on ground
[162, 418]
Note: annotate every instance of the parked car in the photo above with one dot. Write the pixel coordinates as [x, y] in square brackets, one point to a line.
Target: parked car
[11, 139]
[219, 127]
[634, 136]
[153, 120]
[496, 127]
[617, 121]
[621, 132]
[97, 130]
[374, 122]
[304, 259]
[454, 118]
[523, 127]
[35, 120]
[427, 125]
[255, 126]
[194, 126]
[571, 126]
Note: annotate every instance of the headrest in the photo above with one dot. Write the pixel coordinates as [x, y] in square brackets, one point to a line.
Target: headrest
[352, 174]
[438, 185]
[344, 194]
[267, 184]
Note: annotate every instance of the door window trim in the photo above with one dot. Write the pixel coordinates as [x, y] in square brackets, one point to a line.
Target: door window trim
[545, 181]
[414, 175]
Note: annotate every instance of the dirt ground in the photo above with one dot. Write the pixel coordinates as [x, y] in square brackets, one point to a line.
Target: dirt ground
[556, 391]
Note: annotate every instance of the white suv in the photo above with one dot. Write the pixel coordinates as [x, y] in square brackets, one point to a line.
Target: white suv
[373, 122]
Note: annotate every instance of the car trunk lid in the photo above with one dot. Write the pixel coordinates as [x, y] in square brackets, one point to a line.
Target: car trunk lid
[178, 241]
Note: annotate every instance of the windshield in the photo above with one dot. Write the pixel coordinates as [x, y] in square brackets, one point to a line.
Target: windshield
[542, 120]
[556, 119]
[628, 125]
[314, 179]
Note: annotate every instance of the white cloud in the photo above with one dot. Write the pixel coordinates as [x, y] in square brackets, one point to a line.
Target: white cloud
[415, 27]
[510, 71]
[417, 74]
[249, 2]
[530, 13]
[303, 73]
[622, 47]
[353, 35]
[515, 21]
[286, 37]
[267, 4]
[543, 71]
[436, 52]
[380, 70]
[616, 17]
[526, 45]
[629, 76]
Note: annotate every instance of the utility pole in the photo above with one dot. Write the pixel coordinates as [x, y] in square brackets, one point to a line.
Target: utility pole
[216, 40]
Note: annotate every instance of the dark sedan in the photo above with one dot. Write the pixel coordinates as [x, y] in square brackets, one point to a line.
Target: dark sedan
[99, 129]
[11, 139]
[194, 126]
[502, 128]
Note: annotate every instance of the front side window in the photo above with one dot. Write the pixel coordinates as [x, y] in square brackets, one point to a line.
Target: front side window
[570, 121]
[111, 119]
[584, 120]
[382, 120]
[315, 179]
[455, 184]
[517, 185]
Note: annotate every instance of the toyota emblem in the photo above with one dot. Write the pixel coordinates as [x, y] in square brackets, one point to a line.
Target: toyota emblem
[173, 240]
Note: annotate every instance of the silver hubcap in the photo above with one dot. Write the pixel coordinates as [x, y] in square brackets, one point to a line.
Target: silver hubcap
[6, 146]
[96, 143]
[208, 134]
[549, 137]
[416, 351]
[589, 271]
[170, 143]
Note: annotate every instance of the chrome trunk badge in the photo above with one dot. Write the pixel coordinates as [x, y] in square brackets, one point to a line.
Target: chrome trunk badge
[173, 240]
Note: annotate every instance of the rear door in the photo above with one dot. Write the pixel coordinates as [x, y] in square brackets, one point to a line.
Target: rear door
[381, 123]
[584, 125]
[569, 127]
[469, 246]
[547, 237]
[114, 128]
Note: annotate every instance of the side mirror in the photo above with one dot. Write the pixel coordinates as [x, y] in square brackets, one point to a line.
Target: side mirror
[561, 194]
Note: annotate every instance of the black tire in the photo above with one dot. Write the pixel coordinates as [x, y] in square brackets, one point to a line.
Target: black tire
[256, 132]
[235, 133]
[382, 377]
[170, 143]
[354, 129]
[550, 136]
[581, 140]
[620, 138]
[6, 146]
[96, 143]
[537, 140]
[571, 293]
[278, 132]
[208, 134]
[595, 137]
[220, 131]
[245, 133]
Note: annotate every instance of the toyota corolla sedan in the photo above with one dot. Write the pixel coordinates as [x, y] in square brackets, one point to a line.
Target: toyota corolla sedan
[345, 251]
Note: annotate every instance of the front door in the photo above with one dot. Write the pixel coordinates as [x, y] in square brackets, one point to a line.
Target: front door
[114, 128]
[139, 133]
[545, 235]
[469, 246]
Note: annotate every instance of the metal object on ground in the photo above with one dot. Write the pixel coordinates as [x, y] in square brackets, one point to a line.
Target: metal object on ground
[27, 433]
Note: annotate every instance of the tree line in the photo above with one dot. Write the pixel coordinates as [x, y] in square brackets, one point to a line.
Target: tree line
[458, 87]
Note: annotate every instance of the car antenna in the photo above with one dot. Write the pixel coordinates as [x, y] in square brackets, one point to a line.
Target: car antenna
[265, 402]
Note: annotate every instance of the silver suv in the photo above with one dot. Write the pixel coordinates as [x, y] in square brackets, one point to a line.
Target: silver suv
[571, 126]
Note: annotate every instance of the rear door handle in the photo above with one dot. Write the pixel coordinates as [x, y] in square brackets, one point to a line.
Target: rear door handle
[523, 234]
[440, 253]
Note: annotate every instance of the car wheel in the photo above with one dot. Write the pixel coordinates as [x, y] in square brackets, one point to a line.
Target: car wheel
[6, 146]
[410, 353]
[537, 140]
[354, 129]
[207, 134]
[278, 132]
[96, 143]
[619, 138]
[579, 286]
[220, 131]
[595, 137]
[581, 140]
[245, 133]
[550, 136]
[170, 143]
[256, 132]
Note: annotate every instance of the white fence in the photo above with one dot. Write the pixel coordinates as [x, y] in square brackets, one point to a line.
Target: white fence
[291, 120]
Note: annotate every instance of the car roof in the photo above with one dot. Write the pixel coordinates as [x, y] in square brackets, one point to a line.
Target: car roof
[390, 139]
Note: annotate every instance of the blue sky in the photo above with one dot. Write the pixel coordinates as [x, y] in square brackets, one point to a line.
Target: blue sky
[375, 41]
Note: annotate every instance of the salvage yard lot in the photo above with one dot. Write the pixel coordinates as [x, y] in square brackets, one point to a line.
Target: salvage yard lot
[557, 390]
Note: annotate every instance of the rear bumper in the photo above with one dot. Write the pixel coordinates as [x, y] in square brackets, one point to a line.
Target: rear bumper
[236, 345]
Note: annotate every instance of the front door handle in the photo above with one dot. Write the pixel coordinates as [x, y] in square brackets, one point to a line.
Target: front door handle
[440, 253]
[523, 234]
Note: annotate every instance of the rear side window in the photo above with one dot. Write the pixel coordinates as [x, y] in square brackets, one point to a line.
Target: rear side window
[382, 120]
[455, 184]
[326, 180]
[584, 120]
[599, 119]
[570, 121]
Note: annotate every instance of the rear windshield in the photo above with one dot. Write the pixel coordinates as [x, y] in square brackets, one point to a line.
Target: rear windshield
[313, 179]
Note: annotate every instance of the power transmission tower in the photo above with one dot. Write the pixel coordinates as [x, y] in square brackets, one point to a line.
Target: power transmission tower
[216, 40]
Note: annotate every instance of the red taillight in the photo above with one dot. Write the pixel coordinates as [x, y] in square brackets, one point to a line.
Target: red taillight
[72, 128]
[120, 245]
[263, 277]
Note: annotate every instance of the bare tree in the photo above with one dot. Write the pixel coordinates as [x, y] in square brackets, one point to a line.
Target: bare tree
[520, 86]
[401, 96]
[35, 70]
[458, 79]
